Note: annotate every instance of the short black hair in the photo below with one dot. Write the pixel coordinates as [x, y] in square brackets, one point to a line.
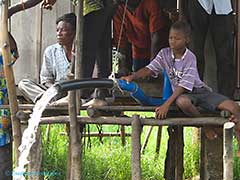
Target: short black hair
[182, 26]
[69, 18]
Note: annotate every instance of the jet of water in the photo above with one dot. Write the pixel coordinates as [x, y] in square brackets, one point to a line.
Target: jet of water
[29, 134]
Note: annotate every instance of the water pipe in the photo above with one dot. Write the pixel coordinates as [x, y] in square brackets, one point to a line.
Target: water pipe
[134, 90]
[75, 84]
[137, 93]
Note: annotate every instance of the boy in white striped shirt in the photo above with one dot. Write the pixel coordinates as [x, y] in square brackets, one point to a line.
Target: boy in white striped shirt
[188, 90]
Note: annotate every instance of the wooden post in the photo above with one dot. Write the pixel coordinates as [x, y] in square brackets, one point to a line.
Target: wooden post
[237, 10]
[123, 135]
[8, 71]
[169, 168]
[158, 143]
[38, 50]
[74, 135]
[79, 48]
[136, 147]
[203, 157]
[179, 153]
[228, 151]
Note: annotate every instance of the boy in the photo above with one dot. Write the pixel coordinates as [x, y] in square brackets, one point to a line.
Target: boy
[188, 90]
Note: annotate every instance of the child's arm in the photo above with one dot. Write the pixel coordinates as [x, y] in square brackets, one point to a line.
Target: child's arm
[144, 72]
[161, 111]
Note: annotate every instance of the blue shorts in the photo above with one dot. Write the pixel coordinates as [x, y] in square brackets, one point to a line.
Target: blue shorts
[205, 98]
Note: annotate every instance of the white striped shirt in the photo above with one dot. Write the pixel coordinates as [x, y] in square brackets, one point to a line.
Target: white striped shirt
[55, 65]
[181, 72]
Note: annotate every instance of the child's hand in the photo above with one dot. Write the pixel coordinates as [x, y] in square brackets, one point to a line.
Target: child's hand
[128, 78]
[161, 111]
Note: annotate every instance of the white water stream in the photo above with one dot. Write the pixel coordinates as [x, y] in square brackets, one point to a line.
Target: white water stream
[29, 134]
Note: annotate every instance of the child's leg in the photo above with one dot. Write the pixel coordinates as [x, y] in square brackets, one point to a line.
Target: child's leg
[233, 108]
[188, 108]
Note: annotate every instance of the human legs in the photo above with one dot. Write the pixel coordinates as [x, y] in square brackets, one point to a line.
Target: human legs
[223, 43]
[185, 104]
[199, 21]
[104, 54]
[31, 90]
[233, 108]
[91, 38]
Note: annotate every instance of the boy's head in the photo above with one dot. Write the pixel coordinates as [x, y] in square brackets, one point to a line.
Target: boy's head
[179, 35]
[66, 29]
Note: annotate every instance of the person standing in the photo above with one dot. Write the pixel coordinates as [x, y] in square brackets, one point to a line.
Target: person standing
[144, 26]
[96, 45]
[214, 16]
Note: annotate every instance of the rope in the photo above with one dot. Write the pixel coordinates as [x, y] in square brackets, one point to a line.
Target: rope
[115, 63]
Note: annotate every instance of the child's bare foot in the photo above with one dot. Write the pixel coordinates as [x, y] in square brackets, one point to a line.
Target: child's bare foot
[210, 133]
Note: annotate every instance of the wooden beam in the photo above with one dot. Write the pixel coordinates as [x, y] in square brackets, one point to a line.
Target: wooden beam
[197, 121]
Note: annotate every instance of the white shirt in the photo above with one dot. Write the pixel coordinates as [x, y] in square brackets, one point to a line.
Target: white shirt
[55, 65]
[222, 7]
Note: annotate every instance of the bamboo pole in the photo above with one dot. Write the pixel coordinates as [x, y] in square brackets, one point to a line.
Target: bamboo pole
[8, 71]
[228, 151]
[136, 147]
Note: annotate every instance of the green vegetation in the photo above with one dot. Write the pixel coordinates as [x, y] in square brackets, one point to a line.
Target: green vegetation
[106, 159]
